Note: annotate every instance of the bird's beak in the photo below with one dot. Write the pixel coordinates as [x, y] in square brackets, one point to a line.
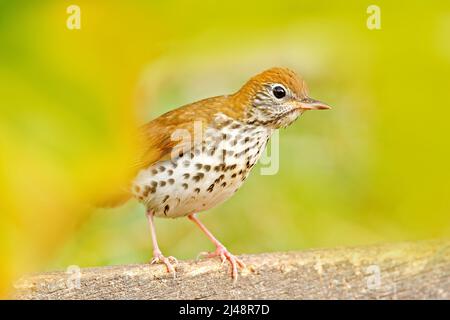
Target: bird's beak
[311, 104]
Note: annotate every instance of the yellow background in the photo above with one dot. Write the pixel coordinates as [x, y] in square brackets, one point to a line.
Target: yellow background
[374, 169]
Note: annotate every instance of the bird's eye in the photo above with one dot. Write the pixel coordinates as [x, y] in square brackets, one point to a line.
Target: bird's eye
[279, 92]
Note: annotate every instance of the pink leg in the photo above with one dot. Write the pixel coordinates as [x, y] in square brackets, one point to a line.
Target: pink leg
[157, 255]
[221, 251]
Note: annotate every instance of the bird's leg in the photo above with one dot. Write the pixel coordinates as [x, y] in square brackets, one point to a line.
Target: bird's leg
[221, 251]
[157, 255]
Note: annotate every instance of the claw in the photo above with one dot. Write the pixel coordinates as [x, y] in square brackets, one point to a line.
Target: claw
[173, 260]
[223, 259]
[169, 262]
[225, 256]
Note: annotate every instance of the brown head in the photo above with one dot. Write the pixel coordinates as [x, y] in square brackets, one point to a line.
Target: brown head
[276, 98]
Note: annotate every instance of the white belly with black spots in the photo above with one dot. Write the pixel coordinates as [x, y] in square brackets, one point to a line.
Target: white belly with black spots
[207, 175]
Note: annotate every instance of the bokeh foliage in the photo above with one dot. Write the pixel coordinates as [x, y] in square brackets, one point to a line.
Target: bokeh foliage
[373, 169]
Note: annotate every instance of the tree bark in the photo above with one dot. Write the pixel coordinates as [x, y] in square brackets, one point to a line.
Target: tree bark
[415, 270]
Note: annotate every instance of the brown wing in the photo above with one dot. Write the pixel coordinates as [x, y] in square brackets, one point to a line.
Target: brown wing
[158, 138]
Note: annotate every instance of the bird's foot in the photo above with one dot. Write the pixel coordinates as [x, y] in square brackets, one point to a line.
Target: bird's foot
[170, 262]
[224, 256]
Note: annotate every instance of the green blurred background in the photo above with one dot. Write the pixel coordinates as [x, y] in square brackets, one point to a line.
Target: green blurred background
[374, 169]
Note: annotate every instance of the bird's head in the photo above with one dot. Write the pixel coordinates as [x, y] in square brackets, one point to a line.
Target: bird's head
[276, 98]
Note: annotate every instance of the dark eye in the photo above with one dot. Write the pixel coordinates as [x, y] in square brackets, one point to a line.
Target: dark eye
[279, 92]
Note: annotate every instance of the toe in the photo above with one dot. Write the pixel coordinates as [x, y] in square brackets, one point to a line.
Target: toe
[173, 260]
[240, 263]
[155, 260]
[223, 258]
[169, 266]
[168, 262]
[234, 272]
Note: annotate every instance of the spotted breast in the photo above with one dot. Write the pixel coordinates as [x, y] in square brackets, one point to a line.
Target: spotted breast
[207, 174]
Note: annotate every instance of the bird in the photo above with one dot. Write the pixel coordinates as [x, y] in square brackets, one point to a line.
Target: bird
[195, 157]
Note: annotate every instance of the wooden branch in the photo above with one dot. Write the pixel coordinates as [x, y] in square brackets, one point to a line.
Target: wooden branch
[416, 270]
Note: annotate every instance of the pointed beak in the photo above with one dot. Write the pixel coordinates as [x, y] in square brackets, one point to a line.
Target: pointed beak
[311, 104]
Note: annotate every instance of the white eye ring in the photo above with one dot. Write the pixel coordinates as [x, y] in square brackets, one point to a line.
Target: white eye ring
[278, 91]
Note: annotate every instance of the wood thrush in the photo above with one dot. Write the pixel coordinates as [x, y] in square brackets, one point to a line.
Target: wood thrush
[197, 156]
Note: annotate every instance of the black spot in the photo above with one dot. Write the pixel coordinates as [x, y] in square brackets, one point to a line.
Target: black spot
[235, 126]
[162, 168]
[186, 175]
[152, 190]
[220, 178]
[154, 171]
[198, 176]
[217, 168]
[198, 166]
[165, 198]
[207, 167]
[210, 188]
[246, 150]
[192, 155]
[171, 181]
[224, 184]
[162, 183]
[170, 172]
[234, 142]
[197, 190]
[146, 191]
[233, 175]
[154, 184]
[166, 209]
[185, 185]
